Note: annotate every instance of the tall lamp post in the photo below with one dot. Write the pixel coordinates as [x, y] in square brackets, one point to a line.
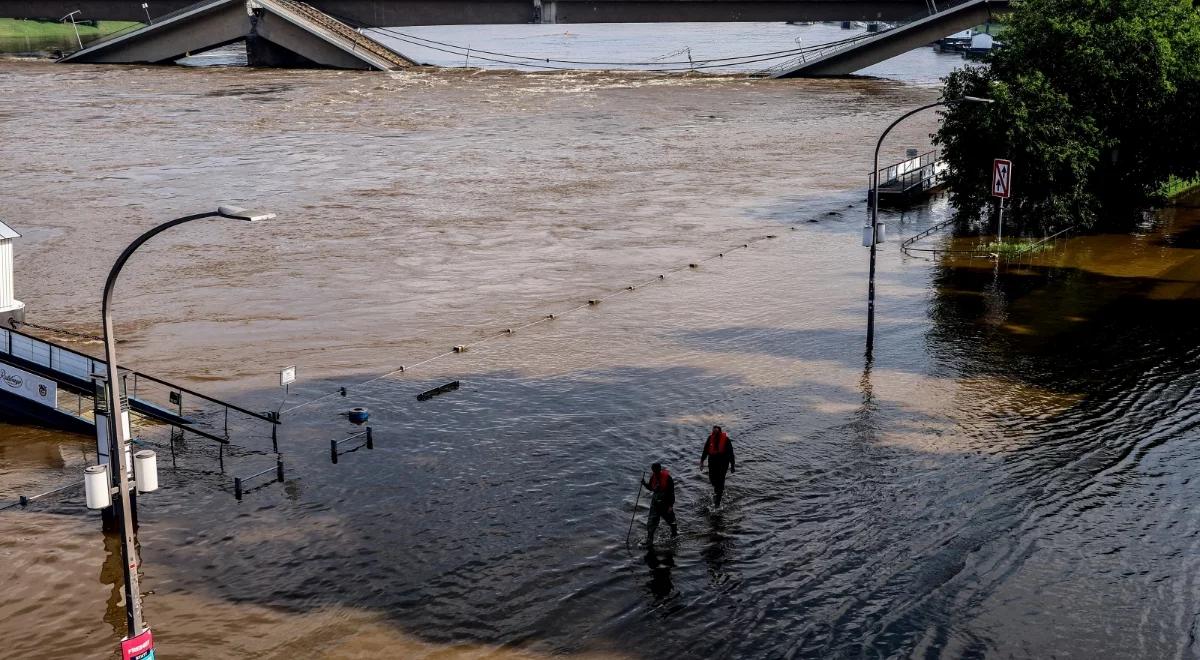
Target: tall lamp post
[118, 433]
[875, 208]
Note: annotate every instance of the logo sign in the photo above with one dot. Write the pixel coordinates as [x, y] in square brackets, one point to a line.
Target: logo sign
[140, 647]
[26, 385]
[1001, 178]
[287, 376]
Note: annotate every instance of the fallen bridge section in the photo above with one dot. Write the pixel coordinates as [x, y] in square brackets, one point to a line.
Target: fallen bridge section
[872, 50]
[278, 33]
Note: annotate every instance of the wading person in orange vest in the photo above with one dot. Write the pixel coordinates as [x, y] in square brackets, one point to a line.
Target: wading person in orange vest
[719, 451]
[662, 501]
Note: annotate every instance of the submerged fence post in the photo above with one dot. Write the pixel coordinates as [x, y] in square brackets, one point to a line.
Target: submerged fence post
[370, 439]
[333, 451]
[279, 469]
[237, 488]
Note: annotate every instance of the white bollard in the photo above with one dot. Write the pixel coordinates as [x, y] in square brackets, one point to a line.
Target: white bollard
[96, 488]
[145, 471]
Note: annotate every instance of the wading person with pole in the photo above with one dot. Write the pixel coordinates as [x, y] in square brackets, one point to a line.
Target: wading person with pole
[662, 501]
[718, 449]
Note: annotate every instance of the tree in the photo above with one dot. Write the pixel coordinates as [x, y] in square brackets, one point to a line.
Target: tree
[1095, 103]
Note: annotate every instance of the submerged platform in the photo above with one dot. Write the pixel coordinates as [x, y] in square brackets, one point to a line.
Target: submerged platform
[278, 33]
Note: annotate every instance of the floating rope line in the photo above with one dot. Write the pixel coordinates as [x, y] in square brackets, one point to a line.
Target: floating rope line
[509, 331]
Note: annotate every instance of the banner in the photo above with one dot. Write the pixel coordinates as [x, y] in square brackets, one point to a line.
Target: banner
[24, 384]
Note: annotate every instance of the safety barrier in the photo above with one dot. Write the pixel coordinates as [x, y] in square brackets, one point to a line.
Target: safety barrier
[333, 444]
[240, 482]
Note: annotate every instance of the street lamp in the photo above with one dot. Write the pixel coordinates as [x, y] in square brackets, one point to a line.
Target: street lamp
[118, 433]
[875, 208]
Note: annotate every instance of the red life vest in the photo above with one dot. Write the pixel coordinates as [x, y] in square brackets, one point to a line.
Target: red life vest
[717, 444]
[658, 482]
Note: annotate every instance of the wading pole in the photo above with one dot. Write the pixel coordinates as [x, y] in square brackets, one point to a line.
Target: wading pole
[636, 502]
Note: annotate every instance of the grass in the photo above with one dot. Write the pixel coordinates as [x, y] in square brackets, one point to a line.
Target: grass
[1015, 248]
[1175, 186]
[20, 29]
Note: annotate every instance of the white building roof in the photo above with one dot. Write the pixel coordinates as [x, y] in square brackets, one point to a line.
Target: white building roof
[7, 232]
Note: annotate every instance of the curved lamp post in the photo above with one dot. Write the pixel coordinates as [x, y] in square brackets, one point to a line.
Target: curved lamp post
[875, 208]
[117, 431]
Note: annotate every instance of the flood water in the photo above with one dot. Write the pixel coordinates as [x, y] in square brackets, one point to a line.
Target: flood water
[1009, 477]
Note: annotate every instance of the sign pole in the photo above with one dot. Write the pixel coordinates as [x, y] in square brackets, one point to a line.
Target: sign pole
[1000, 223]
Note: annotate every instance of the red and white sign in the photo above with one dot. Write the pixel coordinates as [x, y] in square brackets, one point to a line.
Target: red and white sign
[140, 647]
[1001, 177]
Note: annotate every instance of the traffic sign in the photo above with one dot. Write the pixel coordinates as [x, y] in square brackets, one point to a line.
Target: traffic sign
[1001, 178]
[287, 376]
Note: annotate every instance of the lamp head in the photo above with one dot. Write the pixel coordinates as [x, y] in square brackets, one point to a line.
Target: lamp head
[239, 213]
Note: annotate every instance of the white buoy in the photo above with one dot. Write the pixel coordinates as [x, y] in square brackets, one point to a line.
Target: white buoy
[145, 471]
[96, 488]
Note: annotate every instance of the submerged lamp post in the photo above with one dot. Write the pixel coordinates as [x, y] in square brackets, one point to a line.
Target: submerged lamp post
[871, 233]
[118, 432]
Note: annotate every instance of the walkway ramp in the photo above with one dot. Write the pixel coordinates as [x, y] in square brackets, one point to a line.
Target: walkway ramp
[278, 33]
[876, 48]
[55, 385]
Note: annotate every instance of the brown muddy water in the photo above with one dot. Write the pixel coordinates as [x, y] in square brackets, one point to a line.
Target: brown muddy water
[1011, 477]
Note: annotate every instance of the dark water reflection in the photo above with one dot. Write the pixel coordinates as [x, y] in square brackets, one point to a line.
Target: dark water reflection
[1010, 477]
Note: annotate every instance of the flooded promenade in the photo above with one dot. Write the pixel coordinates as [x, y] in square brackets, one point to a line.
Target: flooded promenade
[1009, 477]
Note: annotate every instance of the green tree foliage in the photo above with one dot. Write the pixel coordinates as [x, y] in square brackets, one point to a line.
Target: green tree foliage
[1096, 105]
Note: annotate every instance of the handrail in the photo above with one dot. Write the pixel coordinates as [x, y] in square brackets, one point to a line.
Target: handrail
[184, 390]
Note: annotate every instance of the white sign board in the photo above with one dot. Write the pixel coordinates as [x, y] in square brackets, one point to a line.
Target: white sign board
[1001, 177]
[24, 384]
[287, 376]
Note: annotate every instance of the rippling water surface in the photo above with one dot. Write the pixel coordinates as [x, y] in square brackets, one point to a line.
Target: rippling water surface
[1009, 477]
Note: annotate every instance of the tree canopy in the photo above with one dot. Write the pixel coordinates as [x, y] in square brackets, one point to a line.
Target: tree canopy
[1095, 104]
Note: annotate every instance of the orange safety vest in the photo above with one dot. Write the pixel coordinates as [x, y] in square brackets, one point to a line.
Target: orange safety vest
[658, 482]
[717, 443]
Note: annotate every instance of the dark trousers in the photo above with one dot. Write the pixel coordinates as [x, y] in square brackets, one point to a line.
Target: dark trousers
[716, 476]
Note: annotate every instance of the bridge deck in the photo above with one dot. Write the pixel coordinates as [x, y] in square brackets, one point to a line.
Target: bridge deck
[888, 44]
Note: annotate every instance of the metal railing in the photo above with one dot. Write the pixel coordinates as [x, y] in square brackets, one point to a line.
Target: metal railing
[239, 483]
[142, 389]
[334, 452]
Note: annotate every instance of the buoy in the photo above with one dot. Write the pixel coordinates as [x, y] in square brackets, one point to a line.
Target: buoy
[691, 265]
[593, 302]
[358, 415]
[461, 348]
[662, 277]
[550, 316]
[508, 330]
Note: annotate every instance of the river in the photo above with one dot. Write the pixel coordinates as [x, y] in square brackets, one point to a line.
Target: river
[1009, 477]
